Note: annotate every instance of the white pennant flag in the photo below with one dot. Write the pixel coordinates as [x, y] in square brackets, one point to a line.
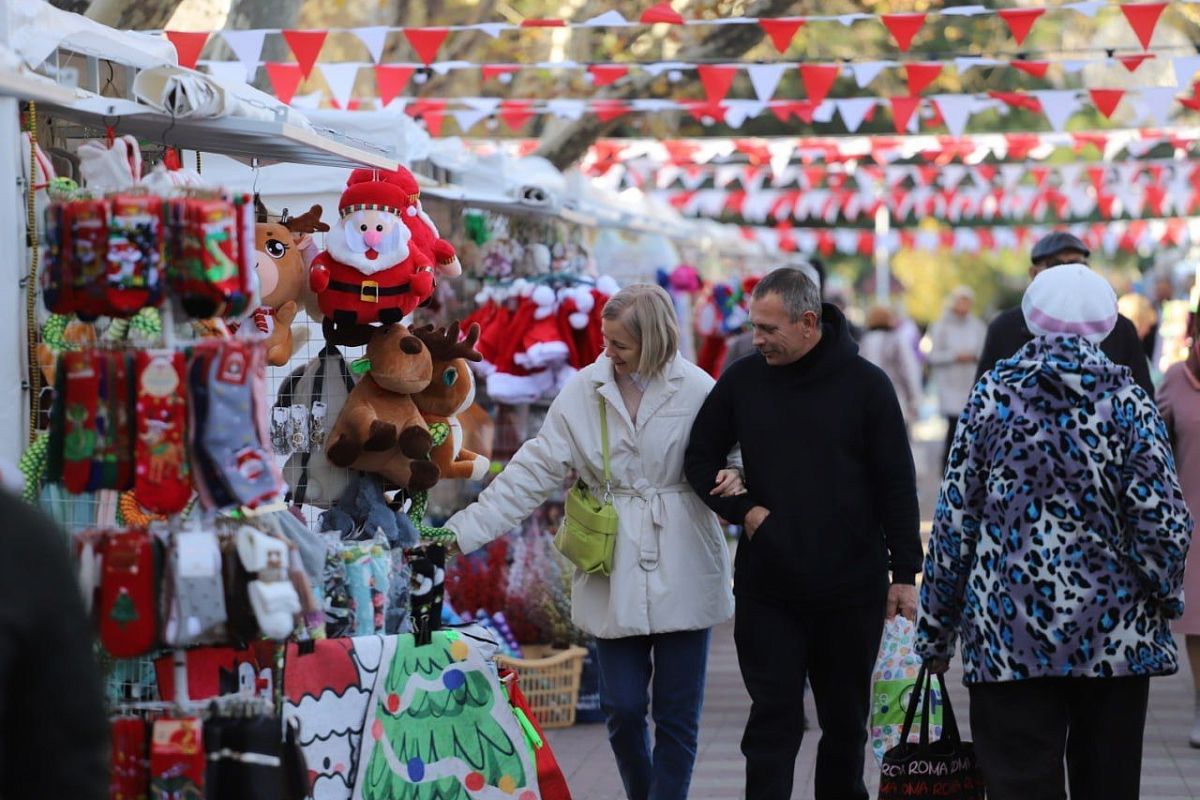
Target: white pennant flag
[609, 19]
[1081, 201]
[824, 112]
[964, 11]
[247, 48]
[952, 175]
[765, 78]
[781, 155]
[652, 105]
[493, 29]
[955, 110]
[565, 108]
[1156, 102]
[738, 111]
[660, 67]
[1088, 8]
[480, 108]
[340, 76]
[854, 110]
[1185, 70]
[850, 19]
[373, 38]
[868, 71]
[1058, 105]
[1073, 66]
[226, 71]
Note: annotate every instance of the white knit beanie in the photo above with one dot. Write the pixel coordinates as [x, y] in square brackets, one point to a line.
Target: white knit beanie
[1070, 300]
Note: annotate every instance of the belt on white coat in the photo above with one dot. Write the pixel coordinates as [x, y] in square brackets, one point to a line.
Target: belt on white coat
[653, 497]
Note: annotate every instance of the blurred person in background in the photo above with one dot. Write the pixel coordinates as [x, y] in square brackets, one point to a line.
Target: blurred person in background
[1141, 312]
[957, 340]
[886, 346]
[53, 733]
[1179, 401]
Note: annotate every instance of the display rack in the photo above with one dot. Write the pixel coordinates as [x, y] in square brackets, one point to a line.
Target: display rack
[26, 87]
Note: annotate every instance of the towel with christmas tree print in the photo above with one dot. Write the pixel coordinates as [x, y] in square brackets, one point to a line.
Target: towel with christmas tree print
[439, 727]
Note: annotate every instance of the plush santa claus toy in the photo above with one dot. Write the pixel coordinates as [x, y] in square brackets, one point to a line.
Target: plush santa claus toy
[424, 232]
[372, 270]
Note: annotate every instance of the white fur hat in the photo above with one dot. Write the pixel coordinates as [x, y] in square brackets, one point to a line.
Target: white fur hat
[1070, 300]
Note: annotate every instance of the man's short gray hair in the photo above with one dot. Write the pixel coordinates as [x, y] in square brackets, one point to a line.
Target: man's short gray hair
[797, 291]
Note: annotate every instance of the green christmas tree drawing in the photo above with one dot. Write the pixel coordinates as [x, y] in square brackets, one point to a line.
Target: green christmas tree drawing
[435, 732]
[123, 610]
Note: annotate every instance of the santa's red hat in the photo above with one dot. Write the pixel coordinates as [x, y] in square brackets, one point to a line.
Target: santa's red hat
[377, 190]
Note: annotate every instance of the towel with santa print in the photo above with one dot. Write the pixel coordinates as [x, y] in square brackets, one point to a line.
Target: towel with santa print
[439, 726]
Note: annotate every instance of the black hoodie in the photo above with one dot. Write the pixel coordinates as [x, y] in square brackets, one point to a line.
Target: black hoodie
[826, 452]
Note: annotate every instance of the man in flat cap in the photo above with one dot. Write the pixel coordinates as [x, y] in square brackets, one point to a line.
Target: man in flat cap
[1008, 334]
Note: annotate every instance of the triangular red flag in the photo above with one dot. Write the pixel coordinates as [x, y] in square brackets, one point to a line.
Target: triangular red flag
[608, 110]
[1018, 100]
[188, 46]
[433, 112]
[1192, 103]
[1131, 63]
[391, 80]
[903, 27]
[285, 79]
[306, 46]
[1097, 176]
[1035, 68]
[902, 110]
[661, 13]
[1020, 20]
[426, 42]
[1143, 18]
[717, 80]
[921, 75]
[734, 201]
[1106, 100]
[819, 79]
[516, 113]
[605, 74]
[702, 109]
[491, 71]
[781, 31]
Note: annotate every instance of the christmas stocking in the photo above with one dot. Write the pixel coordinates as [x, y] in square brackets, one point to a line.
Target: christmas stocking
[88, 221]
[134, 252]
[177, 759]
[196, 600]
[163, 483]
[82, 390]
[128, 625]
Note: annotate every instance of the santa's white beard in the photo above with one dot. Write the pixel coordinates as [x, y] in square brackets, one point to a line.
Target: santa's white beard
[346, 245]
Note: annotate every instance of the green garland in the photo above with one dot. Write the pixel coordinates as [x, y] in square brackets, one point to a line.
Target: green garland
[33, 467]
[420, 500]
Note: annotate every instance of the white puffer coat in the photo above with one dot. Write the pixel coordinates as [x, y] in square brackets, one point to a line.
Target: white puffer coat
[671, 568]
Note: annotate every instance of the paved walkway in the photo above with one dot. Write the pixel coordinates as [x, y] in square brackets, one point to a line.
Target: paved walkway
[1170, 769]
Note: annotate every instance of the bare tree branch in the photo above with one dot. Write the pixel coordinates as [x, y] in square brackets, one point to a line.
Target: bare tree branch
[566, 145]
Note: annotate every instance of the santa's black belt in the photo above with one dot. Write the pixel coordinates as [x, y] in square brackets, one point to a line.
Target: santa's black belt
[369, 291]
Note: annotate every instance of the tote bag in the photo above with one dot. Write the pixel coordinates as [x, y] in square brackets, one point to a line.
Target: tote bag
[945, 768]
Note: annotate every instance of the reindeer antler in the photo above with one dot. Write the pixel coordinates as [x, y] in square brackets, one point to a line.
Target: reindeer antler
[444, 345]
[308, 222]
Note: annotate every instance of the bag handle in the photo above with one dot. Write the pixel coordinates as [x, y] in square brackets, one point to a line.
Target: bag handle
[608, 496]
[923, 692]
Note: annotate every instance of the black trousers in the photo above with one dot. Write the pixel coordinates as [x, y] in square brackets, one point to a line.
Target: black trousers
[835, 648]
[1024, 729]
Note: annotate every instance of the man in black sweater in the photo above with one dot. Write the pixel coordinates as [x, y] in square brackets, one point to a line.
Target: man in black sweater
[1008, 333]
[53, 734]
[831, 493]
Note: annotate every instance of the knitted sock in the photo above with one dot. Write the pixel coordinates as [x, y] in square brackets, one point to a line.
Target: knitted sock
[129, 775]
[246, 467]
[128, 623]
[122, 421]
[89, 241]
[57, 285]
[82, 388]
[196, 610]
[134, 247]
[177, 760]
[103, 472]
[163, 483]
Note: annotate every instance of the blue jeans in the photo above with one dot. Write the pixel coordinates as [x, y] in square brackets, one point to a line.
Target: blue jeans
[676, 664]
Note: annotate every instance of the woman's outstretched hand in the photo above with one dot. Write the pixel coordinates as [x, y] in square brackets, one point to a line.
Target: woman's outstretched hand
[729, 484]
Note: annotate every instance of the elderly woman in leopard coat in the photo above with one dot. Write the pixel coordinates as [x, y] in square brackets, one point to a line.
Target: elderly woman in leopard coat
[1057, 555]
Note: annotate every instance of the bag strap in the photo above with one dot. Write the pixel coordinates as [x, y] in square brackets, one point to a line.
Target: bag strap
[318, 388]
[920, 696]
[949, 723]
[604, 451]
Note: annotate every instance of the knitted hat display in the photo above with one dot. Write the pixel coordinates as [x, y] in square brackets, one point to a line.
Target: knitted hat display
[1070, 300]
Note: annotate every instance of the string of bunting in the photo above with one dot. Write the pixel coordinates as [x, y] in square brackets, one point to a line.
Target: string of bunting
[1142, 18]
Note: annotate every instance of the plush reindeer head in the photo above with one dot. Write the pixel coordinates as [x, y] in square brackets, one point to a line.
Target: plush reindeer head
[400, 362]
[452, 389]
[280, 265]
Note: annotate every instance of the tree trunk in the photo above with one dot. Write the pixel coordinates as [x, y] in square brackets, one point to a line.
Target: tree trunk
[136, 15]
[565, 145]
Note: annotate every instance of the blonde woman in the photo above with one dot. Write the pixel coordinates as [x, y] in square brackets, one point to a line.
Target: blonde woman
[671, 579]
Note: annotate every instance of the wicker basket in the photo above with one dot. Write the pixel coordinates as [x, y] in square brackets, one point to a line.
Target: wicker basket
[549, 681]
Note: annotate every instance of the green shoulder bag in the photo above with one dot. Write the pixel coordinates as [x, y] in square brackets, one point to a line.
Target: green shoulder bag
[589, 528]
